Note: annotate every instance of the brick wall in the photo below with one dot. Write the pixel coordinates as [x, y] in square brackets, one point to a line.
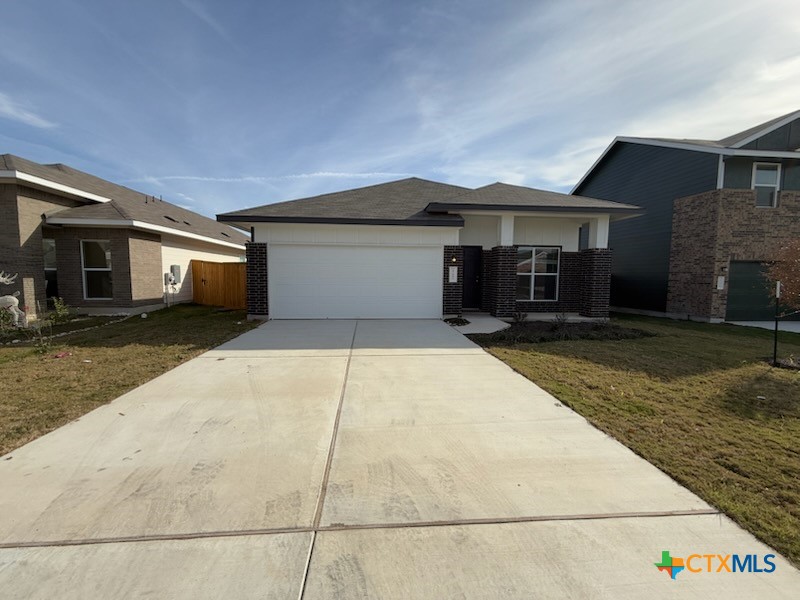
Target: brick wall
[257, 293]
[714, 228]
[147, 278]
[487, 281]
[503, 293]
[595, 288]
[569, 288]
[21, 240]
[583, 287]
[452, 292]
[131, 287]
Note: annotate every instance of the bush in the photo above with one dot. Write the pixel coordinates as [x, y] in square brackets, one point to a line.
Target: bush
[60, 312]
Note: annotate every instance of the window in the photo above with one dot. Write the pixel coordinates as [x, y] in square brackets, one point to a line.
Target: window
[766, 183]
[50, 273]
[537, 273]
[96, 259]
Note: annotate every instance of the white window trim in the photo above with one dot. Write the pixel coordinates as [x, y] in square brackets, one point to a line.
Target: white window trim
[557, 274]
[777, 185]
[84, 269]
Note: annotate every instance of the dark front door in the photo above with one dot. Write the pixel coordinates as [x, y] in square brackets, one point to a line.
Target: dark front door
[471, 286]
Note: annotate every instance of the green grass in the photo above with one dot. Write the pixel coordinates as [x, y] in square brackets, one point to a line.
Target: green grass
[697, 400]
[39, 393]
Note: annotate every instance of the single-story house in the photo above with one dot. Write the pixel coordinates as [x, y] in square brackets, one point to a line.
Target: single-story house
[421, 249]
[101, 247]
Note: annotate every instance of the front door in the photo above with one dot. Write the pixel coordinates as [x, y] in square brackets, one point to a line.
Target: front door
[471, 286]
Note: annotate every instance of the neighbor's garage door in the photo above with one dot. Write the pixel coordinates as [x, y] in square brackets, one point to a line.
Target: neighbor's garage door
[349, 282]
[748, 293]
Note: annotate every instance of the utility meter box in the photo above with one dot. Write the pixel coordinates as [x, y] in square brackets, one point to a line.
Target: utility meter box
[175, 271]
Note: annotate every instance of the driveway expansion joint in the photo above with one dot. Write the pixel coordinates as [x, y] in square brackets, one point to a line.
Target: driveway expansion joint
[362, 526]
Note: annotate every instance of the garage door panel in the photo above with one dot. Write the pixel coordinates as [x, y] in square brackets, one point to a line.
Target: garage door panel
[330, 281]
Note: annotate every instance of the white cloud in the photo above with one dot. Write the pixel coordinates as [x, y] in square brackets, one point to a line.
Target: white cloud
[10, 109]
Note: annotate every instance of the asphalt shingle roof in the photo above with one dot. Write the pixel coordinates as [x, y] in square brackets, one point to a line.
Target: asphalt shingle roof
[507, 197]
[125, 203]
[393, 202]
[418, 202]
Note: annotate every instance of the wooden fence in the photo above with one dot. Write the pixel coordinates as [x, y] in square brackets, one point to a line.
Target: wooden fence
[219, 284]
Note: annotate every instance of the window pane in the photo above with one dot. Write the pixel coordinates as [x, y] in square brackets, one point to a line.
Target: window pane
[97, 255]
[49, 253]
[98, 284]
[547, 260]
[523, 287]
[765, 196]
[524, 258]
[544, 287]
[767, 175]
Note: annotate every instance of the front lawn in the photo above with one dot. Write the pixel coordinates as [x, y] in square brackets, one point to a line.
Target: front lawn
[698, 401]
[39, 392]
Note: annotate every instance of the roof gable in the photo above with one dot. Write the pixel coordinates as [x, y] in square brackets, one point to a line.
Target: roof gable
[748, 136]
[419, 202]
[396, 202]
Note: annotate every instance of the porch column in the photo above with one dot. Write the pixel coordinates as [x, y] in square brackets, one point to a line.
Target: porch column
[452, 287]
[503, 281]
[257, 301]
[595, 282]
[598, 232]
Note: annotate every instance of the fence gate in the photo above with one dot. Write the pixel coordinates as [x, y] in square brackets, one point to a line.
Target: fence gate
[219, 284]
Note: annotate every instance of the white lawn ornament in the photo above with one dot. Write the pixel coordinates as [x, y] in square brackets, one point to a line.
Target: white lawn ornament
[11, 303]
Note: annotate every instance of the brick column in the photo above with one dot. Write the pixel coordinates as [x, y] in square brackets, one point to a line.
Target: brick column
[504, 281]
[487, 279]
[452, 292]
[257, 300]
[596, 278]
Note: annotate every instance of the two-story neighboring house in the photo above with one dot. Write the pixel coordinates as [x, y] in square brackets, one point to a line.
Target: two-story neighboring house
[716, 213]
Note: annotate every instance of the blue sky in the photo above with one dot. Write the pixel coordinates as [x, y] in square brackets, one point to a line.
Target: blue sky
[222, 105]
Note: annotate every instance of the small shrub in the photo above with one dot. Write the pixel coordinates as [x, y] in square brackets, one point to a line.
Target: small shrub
[561, 328]
[7, 320]
[40, 334]
[519, 316]
[61, 313]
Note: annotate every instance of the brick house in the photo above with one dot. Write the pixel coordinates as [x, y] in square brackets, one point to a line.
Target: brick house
[102, 247]
[421, 249]
[716, 213]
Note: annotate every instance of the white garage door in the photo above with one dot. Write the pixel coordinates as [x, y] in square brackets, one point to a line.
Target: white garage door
[348, 282]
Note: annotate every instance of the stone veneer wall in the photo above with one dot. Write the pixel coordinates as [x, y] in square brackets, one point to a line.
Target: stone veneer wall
[257, 281]
[712, 229]
[452, 292]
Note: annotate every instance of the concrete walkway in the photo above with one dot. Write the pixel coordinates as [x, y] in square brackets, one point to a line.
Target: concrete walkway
[791, 326]
[343, 459]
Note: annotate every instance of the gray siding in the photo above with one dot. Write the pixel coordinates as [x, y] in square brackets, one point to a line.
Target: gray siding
[785, 138]
[650, 177]
[739, 173]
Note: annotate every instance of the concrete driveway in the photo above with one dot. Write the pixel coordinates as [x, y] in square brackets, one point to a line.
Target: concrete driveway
[344, 459]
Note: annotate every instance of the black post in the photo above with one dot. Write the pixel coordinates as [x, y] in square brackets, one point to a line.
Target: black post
[775, 341]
